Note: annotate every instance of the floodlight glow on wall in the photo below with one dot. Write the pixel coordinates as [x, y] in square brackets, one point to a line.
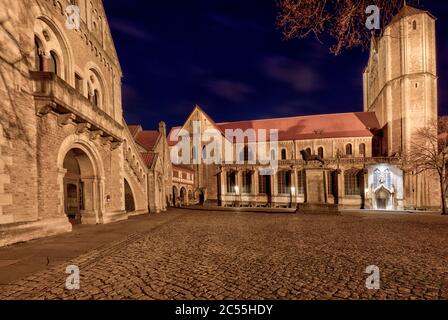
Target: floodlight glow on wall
[293, 190]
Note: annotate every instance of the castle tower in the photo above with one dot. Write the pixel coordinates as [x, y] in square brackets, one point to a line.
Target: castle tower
[400, 86]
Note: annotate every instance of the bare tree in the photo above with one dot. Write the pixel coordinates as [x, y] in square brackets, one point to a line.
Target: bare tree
[430, 154]
[342, 21]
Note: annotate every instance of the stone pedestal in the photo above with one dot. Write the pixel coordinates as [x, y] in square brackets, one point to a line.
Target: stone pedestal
[316, 193]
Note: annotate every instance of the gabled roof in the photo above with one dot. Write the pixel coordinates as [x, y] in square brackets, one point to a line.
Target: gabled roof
[134, 129]
[148, 158]
[172, 136]
[147, 139]
[407, 11]
[338, 125]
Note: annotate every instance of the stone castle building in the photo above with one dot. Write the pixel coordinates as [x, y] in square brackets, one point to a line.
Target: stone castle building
[361, 151]
[183, 186]
[66, 154]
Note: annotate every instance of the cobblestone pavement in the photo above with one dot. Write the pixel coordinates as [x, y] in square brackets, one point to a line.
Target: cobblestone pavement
[225, 255]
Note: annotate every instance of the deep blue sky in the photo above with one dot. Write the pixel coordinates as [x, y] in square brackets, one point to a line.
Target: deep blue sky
[229, 57]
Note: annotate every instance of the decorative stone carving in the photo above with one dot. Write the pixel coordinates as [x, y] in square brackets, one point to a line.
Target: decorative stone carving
[45, 109]
[106, 140]
[115, 145]
[65, 119]
[95, 134]
[83, 127]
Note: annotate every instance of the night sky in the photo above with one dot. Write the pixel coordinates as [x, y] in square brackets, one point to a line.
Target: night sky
[229, 57]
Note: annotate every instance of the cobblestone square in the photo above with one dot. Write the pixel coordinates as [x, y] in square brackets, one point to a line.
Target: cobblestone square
[187, 254]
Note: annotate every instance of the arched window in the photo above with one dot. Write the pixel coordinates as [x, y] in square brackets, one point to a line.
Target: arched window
[376, 178]
[320, 152]
[246, 154]
[352, 183]
[388, 178]
[264, 184]
[283, 154]
[301, 182]
[362, 149]
[247, 182]
[39, 50]
[53, 63]
[284, 182]
[204, 152]
[349, 149]
[414, 25]
[273, 155]
[96, 98]
[332, 182]
[231, 181]
[194, 153]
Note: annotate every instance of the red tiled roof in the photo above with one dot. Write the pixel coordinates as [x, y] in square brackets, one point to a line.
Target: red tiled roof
[181, 167]
[133, 129]
[147, 139]
[342, 125]
[172, 136]
[148, 158]
[338, 125]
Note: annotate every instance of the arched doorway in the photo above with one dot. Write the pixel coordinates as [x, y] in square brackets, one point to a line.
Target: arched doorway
[201, 197]
[77, 185]
[383, 199]
[183, 196]
[175, 196]
[129, 202]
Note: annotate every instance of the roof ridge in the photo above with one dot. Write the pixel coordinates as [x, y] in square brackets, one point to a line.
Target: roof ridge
[294, 117]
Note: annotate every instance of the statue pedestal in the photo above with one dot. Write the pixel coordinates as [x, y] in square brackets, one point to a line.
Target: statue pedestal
[316, 193]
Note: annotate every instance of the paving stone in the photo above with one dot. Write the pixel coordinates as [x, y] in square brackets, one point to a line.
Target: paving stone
[222, 255]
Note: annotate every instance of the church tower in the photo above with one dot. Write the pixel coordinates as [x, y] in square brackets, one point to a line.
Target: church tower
[400, 80]
[400, 86]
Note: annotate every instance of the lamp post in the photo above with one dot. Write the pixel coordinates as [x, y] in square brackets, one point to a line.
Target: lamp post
[293, 193]
[237, 192]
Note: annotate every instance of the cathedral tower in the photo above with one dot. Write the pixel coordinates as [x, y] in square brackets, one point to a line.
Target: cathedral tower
[400, 86]
[400, 80]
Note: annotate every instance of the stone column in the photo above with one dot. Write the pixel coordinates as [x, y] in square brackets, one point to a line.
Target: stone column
[341, 189]
[61, 205]
[255, 182]
[274, 187]
[91, 203]
[366, 191]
